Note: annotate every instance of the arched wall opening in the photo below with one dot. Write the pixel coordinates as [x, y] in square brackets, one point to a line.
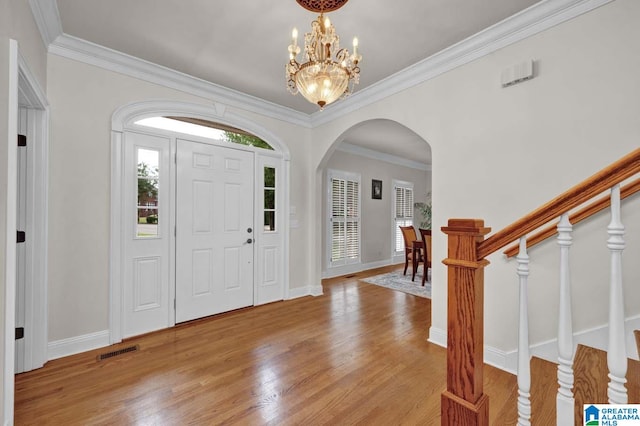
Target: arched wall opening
[380, 154]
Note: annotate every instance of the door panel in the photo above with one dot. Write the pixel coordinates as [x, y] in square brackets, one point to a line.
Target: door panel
[202, 207]
[146, 279]
[232, 268]
[202, 272]
[214, 211]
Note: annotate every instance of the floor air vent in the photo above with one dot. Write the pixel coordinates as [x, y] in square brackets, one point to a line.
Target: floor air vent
[111, 354]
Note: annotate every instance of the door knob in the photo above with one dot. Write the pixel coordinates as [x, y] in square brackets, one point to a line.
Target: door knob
[249, 230]
[249, 240]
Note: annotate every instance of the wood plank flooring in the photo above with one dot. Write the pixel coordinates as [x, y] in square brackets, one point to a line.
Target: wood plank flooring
[356, 355]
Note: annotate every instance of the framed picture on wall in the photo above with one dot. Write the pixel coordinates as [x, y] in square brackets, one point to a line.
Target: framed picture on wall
[376, 189]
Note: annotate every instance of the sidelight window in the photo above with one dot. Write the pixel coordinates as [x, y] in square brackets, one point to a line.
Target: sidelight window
[148, 177]
[269, 199]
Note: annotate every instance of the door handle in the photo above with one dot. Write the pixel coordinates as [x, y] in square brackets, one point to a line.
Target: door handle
[249, 240]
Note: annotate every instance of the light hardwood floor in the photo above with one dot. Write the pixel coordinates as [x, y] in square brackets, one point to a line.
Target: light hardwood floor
[356, 355]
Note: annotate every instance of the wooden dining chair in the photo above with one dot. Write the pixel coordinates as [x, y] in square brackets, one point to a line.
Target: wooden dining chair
[409, 235]
[426, 239]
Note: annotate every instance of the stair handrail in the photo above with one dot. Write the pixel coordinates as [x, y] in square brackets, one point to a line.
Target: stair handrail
[464, 400]
[615, 173]
[577, 217]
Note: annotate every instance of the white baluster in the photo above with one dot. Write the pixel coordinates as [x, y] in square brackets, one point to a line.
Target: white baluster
[524, 358]
[617, 354]
[564, 399]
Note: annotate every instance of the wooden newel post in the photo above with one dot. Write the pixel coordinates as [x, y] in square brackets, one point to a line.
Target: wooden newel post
[463, 402]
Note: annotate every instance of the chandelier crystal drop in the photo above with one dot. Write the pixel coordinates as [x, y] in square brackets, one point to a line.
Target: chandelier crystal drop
[328, 73]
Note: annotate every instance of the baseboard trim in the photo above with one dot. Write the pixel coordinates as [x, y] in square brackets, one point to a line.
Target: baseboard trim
[77, 344]
[437, 336]
[358, 267]
[297, 292]
[316, 290]
[506, 361]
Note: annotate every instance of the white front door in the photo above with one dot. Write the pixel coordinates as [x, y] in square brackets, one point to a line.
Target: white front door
[214, 229]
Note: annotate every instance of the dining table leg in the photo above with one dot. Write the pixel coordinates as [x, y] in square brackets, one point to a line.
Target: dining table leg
[414, 262]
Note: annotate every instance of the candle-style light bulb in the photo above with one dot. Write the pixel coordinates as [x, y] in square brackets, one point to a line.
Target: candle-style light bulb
[327, 23]
[355, 46]
[293, 48]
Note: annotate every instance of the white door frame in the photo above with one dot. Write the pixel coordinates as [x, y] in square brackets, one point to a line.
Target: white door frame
[36, 318]
[25, 90]
[123, 119]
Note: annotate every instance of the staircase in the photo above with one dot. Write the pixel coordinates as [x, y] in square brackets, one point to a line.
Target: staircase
[547, 393]
[590, 386]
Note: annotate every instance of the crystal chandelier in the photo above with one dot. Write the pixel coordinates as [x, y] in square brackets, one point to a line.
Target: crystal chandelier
[329, 72]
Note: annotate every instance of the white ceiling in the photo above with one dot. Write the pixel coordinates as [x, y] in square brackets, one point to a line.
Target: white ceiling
[242, 45]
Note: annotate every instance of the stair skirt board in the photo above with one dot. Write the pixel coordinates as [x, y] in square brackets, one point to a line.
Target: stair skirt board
[508, 361]
[595, 337]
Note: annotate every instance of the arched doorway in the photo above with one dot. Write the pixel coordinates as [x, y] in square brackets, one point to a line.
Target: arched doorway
[177, 266]
[380, 155]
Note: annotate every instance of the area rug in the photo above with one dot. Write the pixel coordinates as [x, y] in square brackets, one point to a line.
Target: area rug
[396, 281]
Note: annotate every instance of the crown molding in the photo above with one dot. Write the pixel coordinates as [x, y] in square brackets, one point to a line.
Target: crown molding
[526, 23]
[47, 17]
[90, 53]
[381, 156]
[535, 19]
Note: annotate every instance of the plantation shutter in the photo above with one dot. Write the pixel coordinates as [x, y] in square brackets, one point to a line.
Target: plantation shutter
[338, 195]
[344, 219]
[353, 221]
[403, 212]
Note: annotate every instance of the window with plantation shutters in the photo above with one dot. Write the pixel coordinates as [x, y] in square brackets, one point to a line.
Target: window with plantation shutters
[344, 219]
[403, 208]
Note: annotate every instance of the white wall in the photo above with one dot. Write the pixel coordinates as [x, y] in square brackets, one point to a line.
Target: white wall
[17, 22]
[83, 99]
[499, 153]
[376, 215]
